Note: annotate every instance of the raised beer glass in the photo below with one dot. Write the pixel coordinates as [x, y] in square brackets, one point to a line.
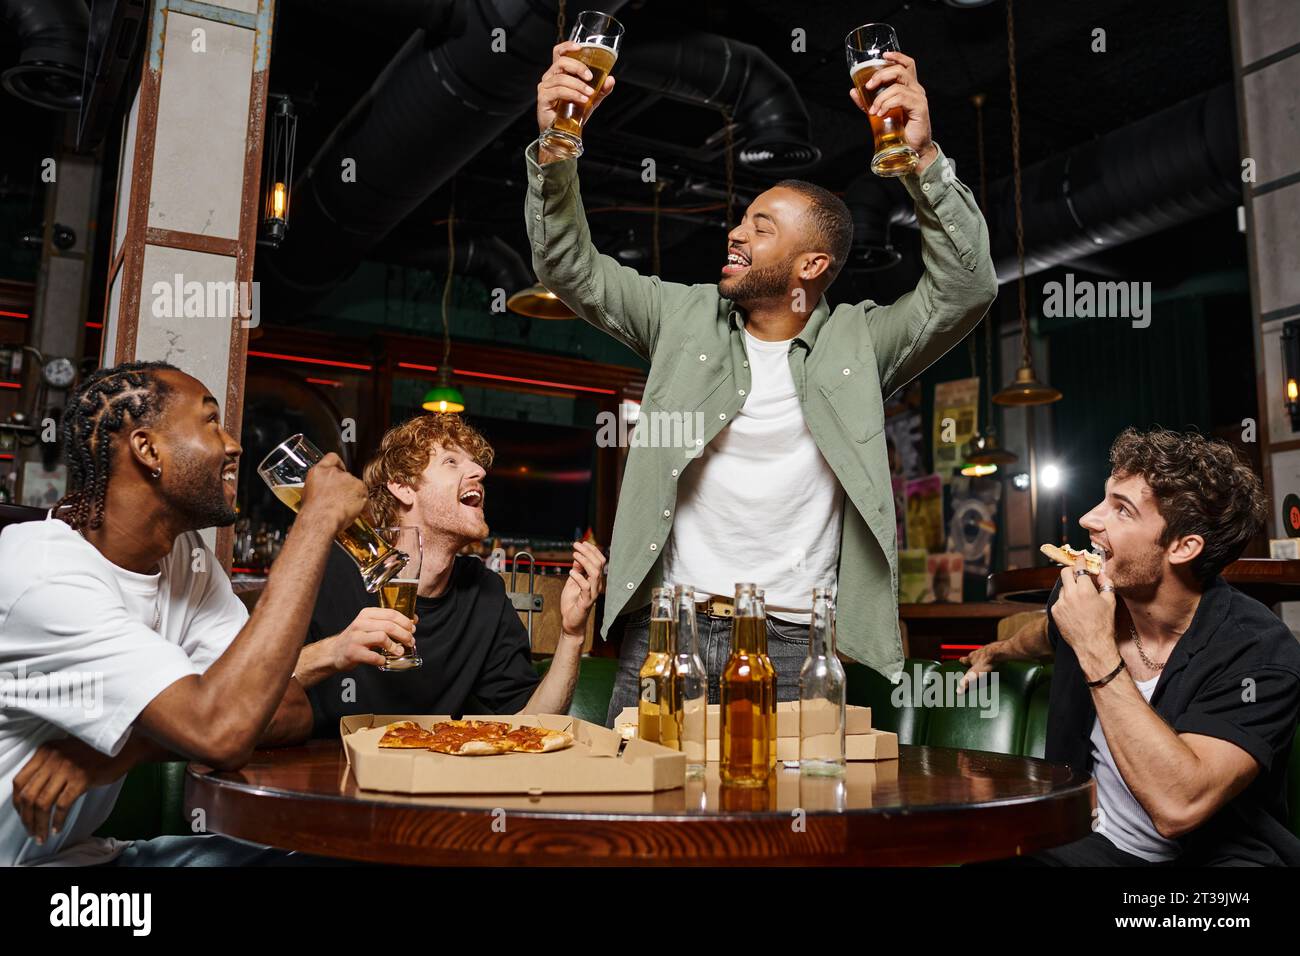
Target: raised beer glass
[398, 593]
[865, 49]
[601, 36]
[285, 471]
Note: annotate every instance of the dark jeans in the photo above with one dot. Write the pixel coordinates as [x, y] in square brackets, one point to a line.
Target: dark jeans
[212, 850]
[1092, 850]
[787, 646]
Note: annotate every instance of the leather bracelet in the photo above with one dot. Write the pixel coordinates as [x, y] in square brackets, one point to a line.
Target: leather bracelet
[1109, 677]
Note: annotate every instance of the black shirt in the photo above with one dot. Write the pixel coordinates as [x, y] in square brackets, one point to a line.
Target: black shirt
[1234, 675]
[475, 650]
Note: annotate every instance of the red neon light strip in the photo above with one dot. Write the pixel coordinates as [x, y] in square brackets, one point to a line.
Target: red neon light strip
[10, 385]
[310, 361]
[511, 378]
[94, 325]
[325, 381]
[15, 315]
[6, 457]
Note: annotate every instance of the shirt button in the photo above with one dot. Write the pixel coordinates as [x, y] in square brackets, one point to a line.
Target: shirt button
[925, 187]
[540, 177]
[703, 356]
[741, 392]
[699, 441]
[951, 227]
[667, 512]
[674, 472]
[538, 217]
[654, 547]
[745, 363]
[630, 585]
[846, 371]
[722, 415]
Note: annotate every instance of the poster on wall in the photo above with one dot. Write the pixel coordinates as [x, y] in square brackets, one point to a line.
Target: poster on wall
[42, 487]
[973, 525]
[925, 514]
[944, 574]
[956, 418]
[914, 577]
[903, 438]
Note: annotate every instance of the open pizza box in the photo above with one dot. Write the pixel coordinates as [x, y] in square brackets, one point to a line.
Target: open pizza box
[861, 741]
[592, 765]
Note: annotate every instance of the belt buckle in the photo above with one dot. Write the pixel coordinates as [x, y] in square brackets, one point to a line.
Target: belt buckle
[720, 607]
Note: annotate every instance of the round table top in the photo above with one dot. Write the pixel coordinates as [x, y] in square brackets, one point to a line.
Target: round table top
[931, 806]
[1267, 580]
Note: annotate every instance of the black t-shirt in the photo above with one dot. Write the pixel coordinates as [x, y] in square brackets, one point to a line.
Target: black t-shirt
[1234, 675]
[475, 651]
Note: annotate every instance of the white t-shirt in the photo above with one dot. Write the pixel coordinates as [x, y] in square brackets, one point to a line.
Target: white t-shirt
[80, 656]
[1123, 821]
[761, 504]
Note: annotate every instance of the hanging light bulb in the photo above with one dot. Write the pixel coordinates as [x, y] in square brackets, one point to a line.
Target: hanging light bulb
[444, 397]
[539, 302]
[1026, 389]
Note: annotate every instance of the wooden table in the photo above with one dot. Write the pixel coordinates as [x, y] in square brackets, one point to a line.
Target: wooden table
[931, 806]
[1265, 579]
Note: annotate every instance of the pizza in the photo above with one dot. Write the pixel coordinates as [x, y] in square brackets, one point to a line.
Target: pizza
[1068, 556]
[474, 738]
[406, 735]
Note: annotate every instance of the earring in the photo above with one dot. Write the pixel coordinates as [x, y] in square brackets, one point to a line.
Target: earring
[157, 472]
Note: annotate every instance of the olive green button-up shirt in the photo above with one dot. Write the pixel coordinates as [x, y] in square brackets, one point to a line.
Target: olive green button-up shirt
[844, 362]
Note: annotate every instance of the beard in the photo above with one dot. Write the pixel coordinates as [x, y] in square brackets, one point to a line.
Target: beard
[1137, 575]
[194, 491]
[758, 282]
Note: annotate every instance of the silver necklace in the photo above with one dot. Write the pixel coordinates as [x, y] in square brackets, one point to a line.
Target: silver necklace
[1143, 654]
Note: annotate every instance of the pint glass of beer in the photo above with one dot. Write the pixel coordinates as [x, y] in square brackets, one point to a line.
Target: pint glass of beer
[398, 593]
[865, 48]
[601, 36]
[285, 472]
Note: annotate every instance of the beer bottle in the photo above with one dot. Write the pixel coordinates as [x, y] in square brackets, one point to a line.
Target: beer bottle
[745, 737]
[769, 671]
[656, 713]
[821, 694]
[692, 683]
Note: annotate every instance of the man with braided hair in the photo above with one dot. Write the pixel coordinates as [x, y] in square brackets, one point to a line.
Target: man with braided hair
[121, 641]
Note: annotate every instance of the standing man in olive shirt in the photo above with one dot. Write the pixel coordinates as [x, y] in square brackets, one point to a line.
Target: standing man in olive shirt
[788, 484]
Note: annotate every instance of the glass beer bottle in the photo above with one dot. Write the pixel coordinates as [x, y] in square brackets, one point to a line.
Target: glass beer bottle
[769, 675]
[745, 736]
[821, 694]
[656, 709]
[692, 684]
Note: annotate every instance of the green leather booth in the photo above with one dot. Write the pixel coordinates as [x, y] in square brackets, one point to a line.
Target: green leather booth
[151, 799]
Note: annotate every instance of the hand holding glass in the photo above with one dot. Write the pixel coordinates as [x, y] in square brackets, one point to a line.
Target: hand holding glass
[285, 472]
[398, 593]
[865, 49]
[600, 36]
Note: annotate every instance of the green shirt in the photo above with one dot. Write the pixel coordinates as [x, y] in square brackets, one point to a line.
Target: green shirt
[843, 362]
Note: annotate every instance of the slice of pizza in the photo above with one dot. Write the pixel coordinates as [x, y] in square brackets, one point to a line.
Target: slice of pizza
[405, 735]
[485, 728]
[536, 740]
[1068, 556]
[460, 740]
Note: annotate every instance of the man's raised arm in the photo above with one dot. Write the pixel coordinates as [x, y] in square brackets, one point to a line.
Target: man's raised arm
[610, 296]
[959, 282]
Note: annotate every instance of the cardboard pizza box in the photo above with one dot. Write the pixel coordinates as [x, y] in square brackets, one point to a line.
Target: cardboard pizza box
[593, 764]
[861, 741]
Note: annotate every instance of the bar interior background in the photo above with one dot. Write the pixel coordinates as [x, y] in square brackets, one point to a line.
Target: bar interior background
[125, 161]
